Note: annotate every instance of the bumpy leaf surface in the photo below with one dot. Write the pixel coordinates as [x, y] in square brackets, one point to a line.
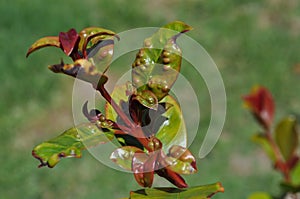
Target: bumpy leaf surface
[70, 144]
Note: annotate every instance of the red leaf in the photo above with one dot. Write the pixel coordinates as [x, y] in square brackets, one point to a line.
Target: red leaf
[261, 103]
[69, 41]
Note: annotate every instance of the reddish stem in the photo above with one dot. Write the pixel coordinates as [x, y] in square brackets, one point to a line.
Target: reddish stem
[134, 130]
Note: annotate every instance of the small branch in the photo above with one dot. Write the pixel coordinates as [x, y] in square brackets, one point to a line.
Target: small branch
[119, 111]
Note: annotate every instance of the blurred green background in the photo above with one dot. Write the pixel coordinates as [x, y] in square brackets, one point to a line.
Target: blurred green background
[252, 42]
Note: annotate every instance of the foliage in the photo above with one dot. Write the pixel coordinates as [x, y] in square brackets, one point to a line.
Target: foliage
[280, 143]
[147, 144]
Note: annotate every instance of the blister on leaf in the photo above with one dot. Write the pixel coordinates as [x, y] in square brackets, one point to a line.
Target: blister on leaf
[70, 144]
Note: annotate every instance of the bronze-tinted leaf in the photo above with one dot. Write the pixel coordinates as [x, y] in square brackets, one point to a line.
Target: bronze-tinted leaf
[70, 144]
[286, 137]
[261, 104]
[143, 167]
[43, 42]
[81, 69]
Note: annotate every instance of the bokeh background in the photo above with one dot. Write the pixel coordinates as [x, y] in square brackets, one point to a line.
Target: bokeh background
[252, 42]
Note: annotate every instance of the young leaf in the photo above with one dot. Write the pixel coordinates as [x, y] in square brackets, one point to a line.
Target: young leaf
[286, 137]
[43, 42]
[69, 41]
[70, 144]
[199, 192]
[173, 130]
[261, 104]
[265, 144]
[158, 63]
[123, 156]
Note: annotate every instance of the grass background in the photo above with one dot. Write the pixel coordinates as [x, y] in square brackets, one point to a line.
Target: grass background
[252, 42]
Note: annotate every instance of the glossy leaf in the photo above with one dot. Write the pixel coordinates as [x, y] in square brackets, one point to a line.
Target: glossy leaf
[265, 144]
[259, 195]
[43, 42]
[173, 130]
[143, 167]
[123, 156]
[181, 160]
[96, 33]
[286, 137]
[199, 192]
[70, 144]
[158, 63]
[100, 55]
[69, 41]
[261, 104]
[147, 99]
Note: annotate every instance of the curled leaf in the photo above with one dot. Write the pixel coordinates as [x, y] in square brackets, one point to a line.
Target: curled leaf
[70, 144]
[286, 137]
[261, 104]
[43, 42]
[93, 34]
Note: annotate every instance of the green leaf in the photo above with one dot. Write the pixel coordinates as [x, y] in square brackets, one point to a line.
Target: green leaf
[157, 64]
[43, 42]
[70, 144]
[123, 156]
[265, 144]
[259, 195]
[295, 175]
[199, 192]
[173, 130]
[286, 137]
